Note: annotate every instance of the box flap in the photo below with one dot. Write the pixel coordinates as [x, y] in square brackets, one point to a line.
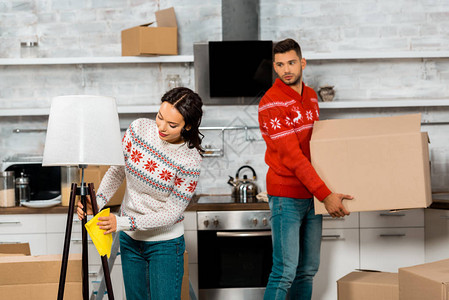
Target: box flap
[19, 248]
[363, 127]
[166, 18]
[437, 271]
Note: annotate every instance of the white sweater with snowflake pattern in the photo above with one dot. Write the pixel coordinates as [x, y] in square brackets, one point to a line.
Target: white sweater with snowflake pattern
[160, 181]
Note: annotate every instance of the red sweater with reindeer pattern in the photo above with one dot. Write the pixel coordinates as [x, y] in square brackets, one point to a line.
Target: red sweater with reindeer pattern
[286, 121]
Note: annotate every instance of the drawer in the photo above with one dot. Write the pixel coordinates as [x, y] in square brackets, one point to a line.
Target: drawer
[34, 223]
[387, 249]
[403, 218]
[351, 221]
[55, 245]
[56, 223]
[36, 241]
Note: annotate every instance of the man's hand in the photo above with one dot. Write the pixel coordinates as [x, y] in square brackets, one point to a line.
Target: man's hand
[334, 206]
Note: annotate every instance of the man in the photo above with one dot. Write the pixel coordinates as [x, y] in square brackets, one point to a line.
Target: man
[286, 116]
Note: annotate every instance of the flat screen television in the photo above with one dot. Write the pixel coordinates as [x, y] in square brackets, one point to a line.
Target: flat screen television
[240, 68]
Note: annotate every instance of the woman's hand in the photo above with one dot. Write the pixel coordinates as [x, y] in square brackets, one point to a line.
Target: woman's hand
[80, 207]
[108, 223]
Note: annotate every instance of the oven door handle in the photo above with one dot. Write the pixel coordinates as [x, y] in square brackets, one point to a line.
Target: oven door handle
[243, 233]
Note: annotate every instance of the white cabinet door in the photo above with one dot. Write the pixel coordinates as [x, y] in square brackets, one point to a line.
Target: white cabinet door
[387, 249]
[339, 256]
[118, 286]
[436, 234]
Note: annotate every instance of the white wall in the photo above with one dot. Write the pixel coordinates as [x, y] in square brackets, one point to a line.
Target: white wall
[92, 28]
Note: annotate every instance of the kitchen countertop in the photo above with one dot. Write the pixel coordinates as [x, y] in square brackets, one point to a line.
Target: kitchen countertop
[195, 205]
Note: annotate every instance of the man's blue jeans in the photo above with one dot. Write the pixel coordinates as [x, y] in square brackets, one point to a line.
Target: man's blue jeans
[152, 270]
[296, 234]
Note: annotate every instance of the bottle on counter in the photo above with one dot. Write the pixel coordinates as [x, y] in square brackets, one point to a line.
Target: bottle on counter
[22, 189]
[7, 193]
[69, 175]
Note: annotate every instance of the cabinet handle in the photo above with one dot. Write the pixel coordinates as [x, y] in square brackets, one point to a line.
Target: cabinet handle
[330, 236]
[391, 234]
[12, 242]
[391, 215]
[9, 222]
[80, 241]
[329, 218]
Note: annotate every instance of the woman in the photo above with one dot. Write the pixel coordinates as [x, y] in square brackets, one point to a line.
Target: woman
[162, 167]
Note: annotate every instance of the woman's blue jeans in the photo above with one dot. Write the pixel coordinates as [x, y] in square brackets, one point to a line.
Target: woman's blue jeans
[296, 234]
[152, 270]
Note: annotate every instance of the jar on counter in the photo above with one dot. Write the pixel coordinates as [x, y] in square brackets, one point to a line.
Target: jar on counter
[7, 193]
[173, 81]
[22, 189]
[28, 49]
[69, 175]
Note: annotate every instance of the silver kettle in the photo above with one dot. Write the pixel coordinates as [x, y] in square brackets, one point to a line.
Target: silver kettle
[244, 190]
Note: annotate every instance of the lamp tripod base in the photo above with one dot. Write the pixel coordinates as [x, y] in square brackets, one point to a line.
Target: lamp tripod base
[75, 190]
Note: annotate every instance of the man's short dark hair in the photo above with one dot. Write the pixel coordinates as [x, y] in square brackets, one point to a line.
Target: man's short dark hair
[287, 45]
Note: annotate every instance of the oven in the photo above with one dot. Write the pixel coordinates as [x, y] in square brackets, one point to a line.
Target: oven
[234, 254]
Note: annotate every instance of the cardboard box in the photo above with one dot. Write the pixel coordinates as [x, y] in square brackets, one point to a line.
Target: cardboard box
[426, 281]
[185, 279]
[94, 174]
[368, 286]
[383, 162]
[15, 249]
[43, 291]
[37, 277]
[143, 40]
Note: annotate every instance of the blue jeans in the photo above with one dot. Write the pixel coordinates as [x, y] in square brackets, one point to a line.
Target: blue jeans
[296, 234]
[152, 270]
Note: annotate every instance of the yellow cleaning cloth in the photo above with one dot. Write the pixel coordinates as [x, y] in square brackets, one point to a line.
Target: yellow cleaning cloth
[103, 242]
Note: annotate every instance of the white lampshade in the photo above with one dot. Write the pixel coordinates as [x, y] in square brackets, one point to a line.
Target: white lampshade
[83, 130]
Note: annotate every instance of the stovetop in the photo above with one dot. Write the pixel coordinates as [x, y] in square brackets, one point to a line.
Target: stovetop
[205, 202]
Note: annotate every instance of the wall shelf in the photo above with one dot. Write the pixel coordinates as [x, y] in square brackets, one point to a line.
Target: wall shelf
[17, 112]
[189, 58]
[139, 109]
[96, 60]
[384, 104]
[377, 55]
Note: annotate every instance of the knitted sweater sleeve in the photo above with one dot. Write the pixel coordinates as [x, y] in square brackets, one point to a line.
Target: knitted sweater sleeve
[278, 130]
[171, 211]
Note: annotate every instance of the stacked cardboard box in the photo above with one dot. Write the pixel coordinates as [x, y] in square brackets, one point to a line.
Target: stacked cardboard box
[24, 277]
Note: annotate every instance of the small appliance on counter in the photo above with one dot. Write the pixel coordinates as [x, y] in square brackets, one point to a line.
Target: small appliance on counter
[244, 190]
[32, 181]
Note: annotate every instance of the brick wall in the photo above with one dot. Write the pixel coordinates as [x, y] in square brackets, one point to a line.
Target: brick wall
[92, 28]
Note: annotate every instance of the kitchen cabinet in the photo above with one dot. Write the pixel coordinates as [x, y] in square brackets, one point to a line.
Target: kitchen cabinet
[436, 234]
[24, 229]
[395, 237]
[339, 254]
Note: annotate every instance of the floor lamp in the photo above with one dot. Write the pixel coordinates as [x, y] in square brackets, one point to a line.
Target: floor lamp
[82, 130]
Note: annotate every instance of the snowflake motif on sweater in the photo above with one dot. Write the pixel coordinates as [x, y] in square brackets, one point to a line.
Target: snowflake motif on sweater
[161, 179]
